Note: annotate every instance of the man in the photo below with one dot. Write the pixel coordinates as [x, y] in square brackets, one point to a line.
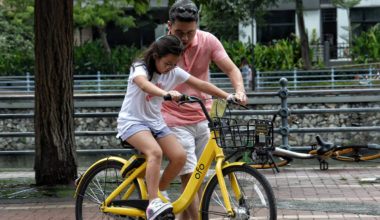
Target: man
[188, 121]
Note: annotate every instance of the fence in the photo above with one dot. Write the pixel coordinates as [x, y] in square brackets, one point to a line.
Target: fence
[97, 83]
[284, 112]
[320, 79]
[298, 80]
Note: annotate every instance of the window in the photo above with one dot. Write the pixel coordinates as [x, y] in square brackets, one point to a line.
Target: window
[277, 25]
[365, 17]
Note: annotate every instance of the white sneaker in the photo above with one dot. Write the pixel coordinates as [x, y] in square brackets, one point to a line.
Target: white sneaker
[157, 207]
[166, 195]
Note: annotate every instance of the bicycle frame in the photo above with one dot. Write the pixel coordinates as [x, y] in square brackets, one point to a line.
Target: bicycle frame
[211, 151]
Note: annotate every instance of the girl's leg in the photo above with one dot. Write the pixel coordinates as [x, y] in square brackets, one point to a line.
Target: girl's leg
[176, 155]
[144, 142]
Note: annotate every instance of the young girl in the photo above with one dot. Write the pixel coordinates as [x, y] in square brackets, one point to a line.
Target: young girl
[140, 122]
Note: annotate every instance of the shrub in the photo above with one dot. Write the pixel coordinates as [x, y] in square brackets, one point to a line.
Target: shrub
[90, 58]
[366, 47]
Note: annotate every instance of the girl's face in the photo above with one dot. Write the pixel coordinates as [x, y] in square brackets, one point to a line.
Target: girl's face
[166, 63]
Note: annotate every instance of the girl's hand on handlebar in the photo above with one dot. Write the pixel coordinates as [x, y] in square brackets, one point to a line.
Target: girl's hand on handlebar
[175, 95]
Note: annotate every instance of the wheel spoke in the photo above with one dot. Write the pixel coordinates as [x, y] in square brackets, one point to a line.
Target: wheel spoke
[250, 195]
[97, 185]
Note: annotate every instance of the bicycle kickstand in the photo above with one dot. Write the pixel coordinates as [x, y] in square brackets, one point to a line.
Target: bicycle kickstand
[323, 165]
[270, 155]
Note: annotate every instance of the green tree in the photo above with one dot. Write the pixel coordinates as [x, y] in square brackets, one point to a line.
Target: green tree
[16, 37]
[94, 13]
[214, 14]
[305, 48]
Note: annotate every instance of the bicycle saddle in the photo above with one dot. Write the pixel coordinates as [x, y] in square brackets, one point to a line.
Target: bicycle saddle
[125, 144]
[324, 146]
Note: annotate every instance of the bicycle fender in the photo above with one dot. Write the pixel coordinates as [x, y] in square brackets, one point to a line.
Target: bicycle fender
[119, 159]
[224, 167]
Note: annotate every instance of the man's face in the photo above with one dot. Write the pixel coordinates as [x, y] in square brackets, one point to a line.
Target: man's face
[184, 31]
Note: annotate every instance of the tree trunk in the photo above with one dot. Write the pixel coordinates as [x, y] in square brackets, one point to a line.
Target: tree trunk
[55, 157]
[305, 49]
[103, 37]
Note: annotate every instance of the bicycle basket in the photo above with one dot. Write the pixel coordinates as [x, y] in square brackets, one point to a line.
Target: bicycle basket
[232, 133]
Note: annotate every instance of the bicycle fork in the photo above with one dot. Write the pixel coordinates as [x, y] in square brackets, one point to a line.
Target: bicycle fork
[223, 187]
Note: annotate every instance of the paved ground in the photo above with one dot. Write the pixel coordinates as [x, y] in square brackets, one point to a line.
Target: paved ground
[301, 193]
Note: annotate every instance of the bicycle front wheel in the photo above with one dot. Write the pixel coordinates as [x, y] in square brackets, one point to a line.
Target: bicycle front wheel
[356, 153]
[97, 185]
[250, 194]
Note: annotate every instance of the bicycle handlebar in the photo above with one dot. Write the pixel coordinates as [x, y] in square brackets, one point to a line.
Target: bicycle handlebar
[374, 146]
[192, 99]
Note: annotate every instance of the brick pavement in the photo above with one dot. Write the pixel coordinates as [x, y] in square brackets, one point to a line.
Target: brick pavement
[301, 193]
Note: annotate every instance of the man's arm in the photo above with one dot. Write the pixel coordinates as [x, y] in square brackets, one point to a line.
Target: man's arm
[231, 70]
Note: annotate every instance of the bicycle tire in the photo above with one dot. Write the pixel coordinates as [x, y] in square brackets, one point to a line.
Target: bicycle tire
[256, 189]
[96, 186]
[279, 161]
[355, 153]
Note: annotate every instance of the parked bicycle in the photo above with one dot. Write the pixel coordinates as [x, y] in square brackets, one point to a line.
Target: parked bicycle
[321, 151]
[114, 187]
[268, 156]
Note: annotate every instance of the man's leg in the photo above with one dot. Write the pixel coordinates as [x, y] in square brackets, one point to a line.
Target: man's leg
[185, 135]
[193, 138]
[192, 211]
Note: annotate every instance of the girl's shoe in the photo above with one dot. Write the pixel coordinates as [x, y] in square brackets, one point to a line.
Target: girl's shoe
[157, 208]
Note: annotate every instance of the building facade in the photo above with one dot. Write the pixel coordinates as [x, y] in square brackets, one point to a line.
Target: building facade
[329, 22]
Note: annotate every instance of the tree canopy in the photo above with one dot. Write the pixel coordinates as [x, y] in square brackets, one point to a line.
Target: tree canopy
[16, 37]
[94, 13]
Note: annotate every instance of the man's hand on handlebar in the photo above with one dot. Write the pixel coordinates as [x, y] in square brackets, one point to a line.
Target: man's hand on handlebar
[233, 98]
[241, 97]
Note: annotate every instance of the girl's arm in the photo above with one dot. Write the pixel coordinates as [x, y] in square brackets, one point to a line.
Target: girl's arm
[206, 87]
[145, 85]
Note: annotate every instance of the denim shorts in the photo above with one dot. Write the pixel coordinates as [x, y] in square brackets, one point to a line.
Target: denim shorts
[157, 134]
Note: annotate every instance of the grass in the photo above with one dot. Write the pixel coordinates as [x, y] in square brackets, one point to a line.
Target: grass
[24, 188]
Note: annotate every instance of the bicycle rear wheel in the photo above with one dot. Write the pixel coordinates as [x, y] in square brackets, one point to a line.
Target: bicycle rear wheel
[100, 182]
[356, 153]
[254, 198]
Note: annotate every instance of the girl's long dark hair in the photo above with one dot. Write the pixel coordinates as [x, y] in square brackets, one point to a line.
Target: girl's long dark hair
[169, 44]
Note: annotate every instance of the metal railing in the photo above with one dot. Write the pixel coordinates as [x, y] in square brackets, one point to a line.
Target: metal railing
[98, 83]
[320, 79]
[284, 112]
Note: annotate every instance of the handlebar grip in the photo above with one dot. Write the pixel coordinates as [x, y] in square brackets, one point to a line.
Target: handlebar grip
[374, 146]
[168, 97]
[235, 102]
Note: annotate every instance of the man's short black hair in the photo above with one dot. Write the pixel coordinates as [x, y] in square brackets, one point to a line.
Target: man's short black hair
[183, 10]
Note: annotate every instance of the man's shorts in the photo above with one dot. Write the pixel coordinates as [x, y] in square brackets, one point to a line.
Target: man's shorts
[157, 134]
[193, 138]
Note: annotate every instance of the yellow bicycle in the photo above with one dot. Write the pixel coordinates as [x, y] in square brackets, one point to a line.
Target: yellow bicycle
[114, 187]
